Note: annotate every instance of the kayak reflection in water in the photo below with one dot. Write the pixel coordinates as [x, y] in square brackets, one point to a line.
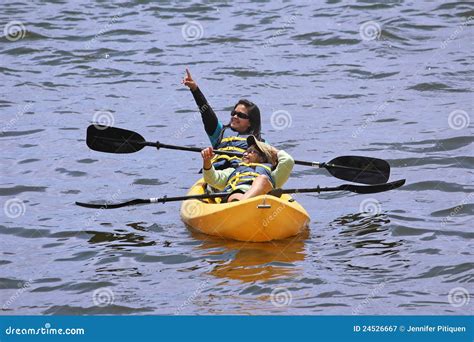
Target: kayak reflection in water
[244, 121]
[262, 169]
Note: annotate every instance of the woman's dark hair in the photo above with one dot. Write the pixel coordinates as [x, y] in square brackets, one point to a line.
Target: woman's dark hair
[254, 114]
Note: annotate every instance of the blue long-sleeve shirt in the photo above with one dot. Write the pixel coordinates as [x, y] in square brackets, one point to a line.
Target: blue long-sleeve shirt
[212, 125]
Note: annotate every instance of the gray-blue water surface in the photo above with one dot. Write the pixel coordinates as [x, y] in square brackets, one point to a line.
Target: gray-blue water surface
[391, 80]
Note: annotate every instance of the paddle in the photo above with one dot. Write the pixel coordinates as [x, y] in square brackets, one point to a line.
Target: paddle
[357, 169]
[358, 189]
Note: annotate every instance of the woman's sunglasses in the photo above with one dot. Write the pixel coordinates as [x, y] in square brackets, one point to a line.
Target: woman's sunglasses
[240, 115]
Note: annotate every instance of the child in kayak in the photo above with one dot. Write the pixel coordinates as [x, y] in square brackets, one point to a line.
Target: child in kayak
[262, 169]
[245, 121]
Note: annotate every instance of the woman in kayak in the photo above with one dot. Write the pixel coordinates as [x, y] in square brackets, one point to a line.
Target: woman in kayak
[245, 121]
[262, 169]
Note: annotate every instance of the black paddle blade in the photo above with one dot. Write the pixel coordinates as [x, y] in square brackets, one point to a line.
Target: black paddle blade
[113, 140]
[359, 169]
[372, 189]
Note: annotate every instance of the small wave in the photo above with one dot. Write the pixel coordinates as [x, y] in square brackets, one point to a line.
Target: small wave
[21, 51]
[228, 39]
[345, 96]
[460, 210]
[451, 162]
[31, 35]
[87, 161]
[308, 36]
[436, 86]
[154, 50]
[446, 272]
[454, 5]
[378, 6]
[167, 259]
[149, 181]
[437, 185]
[369, 75]
[30, 160]
[25, 232]
[79, 256]
[71, 173]
[95, 310]
[4, 103]
[403, 230]
[9, 283]
[439, 145]
[194, 8]
[334, 41]
[128, 32]
[27, 35]
[387, 35]
[18, 189]
[386, 120]
[422, 27]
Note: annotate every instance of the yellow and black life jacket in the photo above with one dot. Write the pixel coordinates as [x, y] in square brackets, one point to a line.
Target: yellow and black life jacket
[233, 141]
[245, 173]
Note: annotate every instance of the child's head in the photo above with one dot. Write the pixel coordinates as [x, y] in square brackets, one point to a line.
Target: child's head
[258, 152]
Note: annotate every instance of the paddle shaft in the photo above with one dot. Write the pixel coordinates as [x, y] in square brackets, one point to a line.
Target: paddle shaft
[365, 170]
[159, 145]
[230, 153]
[360, 189]
[183, 198]
[237, 154]
[138, 201]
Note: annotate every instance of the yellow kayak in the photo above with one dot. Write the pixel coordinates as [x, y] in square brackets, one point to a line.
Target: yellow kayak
[258, 219]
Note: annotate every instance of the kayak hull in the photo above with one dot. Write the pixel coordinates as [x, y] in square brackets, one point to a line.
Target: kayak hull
[258, 219]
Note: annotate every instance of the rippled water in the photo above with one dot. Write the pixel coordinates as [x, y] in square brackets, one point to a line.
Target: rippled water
[391, 80]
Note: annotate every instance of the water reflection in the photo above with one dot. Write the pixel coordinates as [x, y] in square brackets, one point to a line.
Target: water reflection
[366, 231]
[361, 223]
[366, 243]
[250, 261]
[121, 238]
